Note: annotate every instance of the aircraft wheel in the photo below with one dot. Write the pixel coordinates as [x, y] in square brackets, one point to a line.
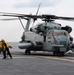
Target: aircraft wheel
[61, 54]
[27, 52]
[55, 53]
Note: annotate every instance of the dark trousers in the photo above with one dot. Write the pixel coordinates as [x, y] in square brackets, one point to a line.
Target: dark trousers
[8, 52]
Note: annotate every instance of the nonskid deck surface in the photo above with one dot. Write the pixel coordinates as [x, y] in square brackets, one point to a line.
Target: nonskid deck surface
[38, 63]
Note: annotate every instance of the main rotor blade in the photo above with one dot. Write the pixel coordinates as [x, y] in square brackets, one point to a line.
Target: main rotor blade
[11, 13]
[49, 17]
[65, 18]
[9, 19]
[19, 15]
[54, 17]
[38, 9]
[34, 19]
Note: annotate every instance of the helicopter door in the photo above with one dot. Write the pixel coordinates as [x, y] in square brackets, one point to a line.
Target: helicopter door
[49, 38]
[49, 41]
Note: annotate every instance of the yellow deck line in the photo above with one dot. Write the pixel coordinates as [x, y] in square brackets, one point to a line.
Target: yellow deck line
[56, 58]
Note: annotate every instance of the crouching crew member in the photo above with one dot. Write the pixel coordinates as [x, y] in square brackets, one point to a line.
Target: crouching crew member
[1, 47]
[6, 49]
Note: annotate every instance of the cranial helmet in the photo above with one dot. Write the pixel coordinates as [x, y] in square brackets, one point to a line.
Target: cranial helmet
[3, 40]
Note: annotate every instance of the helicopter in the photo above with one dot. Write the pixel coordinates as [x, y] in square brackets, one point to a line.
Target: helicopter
[47, 36]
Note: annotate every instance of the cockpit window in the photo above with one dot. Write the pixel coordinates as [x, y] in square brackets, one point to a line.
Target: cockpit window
[59, 33]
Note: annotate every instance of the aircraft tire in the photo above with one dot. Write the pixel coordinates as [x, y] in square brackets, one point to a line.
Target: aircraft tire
[27, 52]
[60, 53]
[63, 53]
[55, 53]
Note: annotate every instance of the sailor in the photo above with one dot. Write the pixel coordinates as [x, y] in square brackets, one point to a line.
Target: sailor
[5, 49]
[1, 47]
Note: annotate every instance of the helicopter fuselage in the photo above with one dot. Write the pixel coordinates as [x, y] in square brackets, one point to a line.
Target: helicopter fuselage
[49, 37]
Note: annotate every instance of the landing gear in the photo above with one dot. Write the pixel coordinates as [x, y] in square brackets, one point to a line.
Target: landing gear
[55, 53]
[27, 52]
[58, 53]
[61, 54]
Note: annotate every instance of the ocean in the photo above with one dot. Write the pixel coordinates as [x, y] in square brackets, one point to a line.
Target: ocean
[15, 47]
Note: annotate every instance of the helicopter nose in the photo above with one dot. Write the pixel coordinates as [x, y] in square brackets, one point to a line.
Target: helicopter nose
[62, 40]
[63, 43]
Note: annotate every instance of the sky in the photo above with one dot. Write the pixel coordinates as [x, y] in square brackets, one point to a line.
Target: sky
[12, 31]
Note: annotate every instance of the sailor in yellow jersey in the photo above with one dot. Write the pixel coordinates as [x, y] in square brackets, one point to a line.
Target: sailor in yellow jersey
[1, 47]
[5, 49]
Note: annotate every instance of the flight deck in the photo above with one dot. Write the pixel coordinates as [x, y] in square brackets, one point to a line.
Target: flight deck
[37, 64]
